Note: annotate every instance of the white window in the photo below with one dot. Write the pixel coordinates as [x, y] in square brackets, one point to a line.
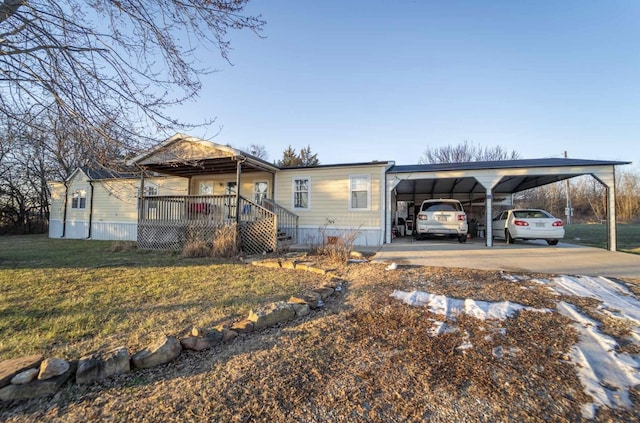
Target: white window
[79, 199]
[301, 193]
[150, 191]
[359, 192]
[205, 188]
[260, 191]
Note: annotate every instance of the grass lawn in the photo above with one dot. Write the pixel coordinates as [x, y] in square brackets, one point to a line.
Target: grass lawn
[595, 235]
[72, 297]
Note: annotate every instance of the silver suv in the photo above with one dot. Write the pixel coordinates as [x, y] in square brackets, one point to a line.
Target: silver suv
[442, 218]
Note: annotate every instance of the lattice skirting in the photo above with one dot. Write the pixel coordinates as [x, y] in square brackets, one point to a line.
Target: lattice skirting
[256, 237]
[154, 235]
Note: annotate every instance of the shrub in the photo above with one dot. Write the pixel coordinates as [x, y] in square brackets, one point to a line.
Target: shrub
[222, 244]
[225, 241]
[336, 247]
[196, 248]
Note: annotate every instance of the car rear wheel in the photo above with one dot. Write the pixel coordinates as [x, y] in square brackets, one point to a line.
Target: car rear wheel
[507, 237]
[552, 241]
[462, 238]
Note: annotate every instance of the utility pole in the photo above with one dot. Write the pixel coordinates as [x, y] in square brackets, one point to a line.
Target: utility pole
[568, 211]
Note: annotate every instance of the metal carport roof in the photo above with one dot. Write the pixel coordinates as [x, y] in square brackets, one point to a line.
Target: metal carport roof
[482, 179]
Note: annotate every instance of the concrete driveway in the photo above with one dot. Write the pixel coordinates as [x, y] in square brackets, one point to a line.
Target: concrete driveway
[523, 256]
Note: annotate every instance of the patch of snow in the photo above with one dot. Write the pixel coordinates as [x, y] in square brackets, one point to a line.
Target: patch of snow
[606, 374]
[452, 307]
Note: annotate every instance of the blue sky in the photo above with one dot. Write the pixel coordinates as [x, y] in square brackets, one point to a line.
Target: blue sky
[384, 80]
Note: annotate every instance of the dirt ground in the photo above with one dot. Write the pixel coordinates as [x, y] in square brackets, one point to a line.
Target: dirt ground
[363, 357]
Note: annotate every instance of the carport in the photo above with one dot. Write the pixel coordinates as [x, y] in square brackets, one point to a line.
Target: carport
[483, 183]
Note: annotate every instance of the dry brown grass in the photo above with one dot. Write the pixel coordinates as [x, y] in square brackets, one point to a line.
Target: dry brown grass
[122, 246]
[224, 244]
[365, 357]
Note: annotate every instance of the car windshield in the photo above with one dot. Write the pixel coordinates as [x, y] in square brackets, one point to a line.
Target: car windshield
[441, 206]
[531, 214]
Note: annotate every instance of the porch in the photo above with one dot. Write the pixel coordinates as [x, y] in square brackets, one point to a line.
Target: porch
[168, 222]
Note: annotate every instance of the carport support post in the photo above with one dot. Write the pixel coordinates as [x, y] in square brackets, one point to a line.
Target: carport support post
[488, 182]
[391, 185]
[608, 179]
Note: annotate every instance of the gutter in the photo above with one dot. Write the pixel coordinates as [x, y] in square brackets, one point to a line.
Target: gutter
[90, 210]
[64, 214]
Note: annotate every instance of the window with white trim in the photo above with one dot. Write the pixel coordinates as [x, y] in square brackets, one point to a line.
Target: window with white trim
[260, 191]
[205, 188]
[79, 199]
[359, 192]
[150, 204]
[301, 193]
[150, 190]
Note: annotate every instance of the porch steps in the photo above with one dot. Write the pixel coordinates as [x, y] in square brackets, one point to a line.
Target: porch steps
[282, 236]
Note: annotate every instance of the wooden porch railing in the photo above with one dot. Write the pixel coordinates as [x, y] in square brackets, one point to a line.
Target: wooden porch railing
[287, 221]
[180, 208]
[169, 221]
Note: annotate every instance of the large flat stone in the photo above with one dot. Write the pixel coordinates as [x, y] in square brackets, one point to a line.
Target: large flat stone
[36, 388]
[10, 368]
[102, 365]
[164, 350]
[272, 314]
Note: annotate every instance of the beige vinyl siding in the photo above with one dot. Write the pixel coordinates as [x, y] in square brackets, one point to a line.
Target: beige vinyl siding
[247, 181]
[115, 200]
[330, 195]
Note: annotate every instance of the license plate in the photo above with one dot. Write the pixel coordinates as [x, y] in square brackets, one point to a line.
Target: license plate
[539, 225]
[442, 218]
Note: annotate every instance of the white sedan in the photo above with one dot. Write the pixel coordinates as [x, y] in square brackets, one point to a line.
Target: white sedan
[527, 224]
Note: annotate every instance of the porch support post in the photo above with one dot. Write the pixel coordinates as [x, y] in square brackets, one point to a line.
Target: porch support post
[239, 161]
[141, 196]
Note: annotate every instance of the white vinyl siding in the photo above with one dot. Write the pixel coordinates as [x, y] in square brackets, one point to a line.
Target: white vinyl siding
[359, 192]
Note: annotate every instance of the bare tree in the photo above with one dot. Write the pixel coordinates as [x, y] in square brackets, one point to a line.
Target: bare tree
[466, 152]
[628, 195]
[111, 65]
[258, 150]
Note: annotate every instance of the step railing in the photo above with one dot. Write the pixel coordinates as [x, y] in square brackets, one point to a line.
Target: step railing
[287, 221]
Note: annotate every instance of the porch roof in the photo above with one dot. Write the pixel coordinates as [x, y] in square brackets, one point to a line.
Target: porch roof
[183, 155]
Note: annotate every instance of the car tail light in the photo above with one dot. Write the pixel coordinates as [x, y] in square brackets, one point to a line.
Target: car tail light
[558, 223]
[520, 223]
[462, 217]
[422, 217]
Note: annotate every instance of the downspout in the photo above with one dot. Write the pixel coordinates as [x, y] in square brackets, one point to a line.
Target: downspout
[90, 210]
[64, 213]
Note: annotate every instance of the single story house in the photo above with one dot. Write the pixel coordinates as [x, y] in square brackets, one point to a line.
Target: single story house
[188, 187]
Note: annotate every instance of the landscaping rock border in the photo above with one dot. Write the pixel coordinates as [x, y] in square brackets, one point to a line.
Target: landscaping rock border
[35, 377]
